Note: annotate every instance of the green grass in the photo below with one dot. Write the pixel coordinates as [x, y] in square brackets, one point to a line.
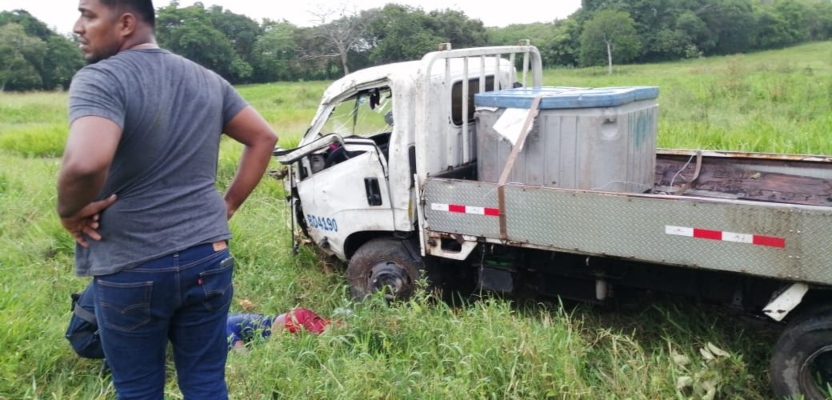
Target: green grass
[493, 349]
[289, 107]
[33, 125]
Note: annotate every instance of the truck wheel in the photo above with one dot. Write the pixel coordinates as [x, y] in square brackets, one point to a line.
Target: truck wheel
[802, 360]
[383, 265]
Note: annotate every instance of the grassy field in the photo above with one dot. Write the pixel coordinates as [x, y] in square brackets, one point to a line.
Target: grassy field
[657, 348]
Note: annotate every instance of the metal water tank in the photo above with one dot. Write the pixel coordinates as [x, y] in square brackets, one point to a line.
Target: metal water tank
[582, 138]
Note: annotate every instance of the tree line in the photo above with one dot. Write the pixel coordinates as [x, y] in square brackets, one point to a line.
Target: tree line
[601, 32]
[32, 56]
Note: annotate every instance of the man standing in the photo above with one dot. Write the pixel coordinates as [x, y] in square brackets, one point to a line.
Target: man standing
[136, 189]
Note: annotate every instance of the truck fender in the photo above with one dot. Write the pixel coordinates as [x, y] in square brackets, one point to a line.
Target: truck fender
[786, 301]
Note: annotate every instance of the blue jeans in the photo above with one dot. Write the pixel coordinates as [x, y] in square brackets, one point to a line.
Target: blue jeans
[182, 297]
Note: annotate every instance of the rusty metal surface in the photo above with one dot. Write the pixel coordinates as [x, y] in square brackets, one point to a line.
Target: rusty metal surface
[738, 156]
[757, 177]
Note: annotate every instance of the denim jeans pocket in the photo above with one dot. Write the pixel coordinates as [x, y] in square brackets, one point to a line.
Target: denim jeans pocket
[123, 306]
[217, 284]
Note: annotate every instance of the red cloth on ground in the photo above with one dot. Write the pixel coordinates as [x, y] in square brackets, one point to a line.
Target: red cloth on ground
[301, 318]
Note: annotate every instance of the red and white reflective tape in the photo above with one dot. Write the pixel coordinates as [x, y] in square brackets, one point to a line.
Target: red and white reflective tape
[460, 209]
[759, 240]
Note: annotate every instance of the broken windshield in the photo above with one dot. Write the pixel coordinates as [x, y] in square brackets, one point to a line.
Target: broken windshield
[368, 113]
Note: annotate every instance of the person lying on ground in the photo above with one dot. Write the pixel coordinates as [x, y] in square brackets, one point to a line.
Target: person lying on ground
[243, 328]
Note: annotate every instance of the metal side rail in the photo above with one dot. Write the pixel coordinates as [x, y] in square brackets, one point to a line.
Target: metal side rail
[783, 241]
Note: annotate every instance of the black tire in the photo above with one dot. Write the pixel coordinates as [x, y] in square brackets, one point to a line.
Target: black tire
[802, 359]
[383, 264]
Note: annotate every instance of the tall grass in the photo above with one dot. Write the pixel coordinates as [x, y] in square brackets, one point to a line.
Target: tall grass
[289, 107]
[424, 349]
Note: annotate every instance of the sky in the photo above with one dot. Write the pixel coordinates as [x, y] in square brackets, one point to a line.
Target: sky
[61, 14]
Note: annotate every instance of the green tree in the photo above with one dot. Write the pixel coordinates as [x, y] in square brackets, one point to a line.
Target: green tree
[796, 14]
[540, 34]
[819, 20]
[242, 31]
[592, 5]
[698, 38]
[48, 60]
[209, 47]
[558, 41]
[609, 35]
[732, 24]
[62, 61]
[342, 31]
[655, 22]
[190, 32]
[19, 54]
[275, 55]
[401, 33]
[456, 28]
[564, 49]
[773, 30]
[31, 25]
[310, 41]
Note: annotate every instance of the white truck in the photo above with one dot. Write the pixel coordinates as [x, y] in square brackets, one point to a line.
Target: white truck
[464, 166]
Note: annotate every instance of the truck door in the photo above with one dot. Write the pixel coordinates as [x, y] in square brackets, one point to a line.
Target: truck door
[343, 187]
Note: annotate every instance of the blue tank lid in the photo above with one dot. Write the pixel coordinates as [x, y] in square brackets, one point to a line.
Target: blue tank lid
[560, 97]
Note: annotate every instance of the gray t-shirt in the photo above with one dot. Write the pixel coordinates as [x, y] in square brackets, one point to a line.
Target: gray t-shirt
[172, 112]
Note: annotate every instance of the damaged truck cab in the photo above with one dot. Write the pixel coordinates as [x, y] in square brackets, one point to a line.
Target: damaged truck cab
[353, 175]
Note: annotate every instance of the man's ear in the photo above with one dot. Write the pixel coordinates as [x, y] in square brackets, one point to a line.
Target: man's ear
[127, 24]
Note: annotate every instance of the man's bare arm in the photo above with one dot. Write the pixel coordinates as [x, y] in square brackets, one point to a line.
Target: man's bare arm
[259, 139]
[89, 152]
